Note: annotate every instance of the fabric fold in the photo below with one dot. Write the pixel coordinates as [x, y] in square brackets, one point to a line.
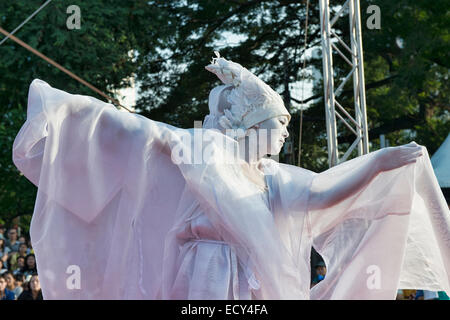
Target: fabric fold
[113, 195]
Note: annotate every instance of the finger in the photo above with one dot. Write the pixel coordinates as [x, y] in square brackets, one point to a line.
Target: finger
[414, 154]
[411, 150]
[412, 145]
[412, 158]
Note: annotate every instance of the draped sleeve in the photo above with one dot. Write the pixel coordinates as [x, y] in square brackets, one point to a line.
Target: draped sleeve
[109, 196]
[99, 173]
[392, 234]
[85, 142]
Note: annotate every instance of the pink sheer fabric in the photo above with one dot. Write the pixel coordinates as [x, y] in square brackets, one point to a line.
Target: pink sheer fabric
[394, 233]
[139, 226]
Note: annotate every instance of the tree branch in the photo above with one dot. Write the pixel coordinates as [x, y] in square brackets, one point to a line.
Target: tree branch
[369, 86]
[405, 122]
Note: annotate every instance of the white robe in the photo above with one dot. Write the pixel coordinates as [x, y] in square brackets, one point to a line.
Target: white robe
[116, 218]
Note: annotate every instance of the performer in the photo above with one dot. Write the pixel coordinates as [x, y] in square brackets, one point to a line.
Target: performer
[130, 208]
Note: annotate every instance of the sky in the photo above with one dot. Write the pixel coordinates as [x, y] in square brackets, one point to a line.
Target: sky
[129, 96]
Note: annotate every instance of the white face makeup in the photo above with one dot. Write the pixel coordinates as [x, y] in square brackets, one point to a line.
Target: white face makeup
[272, 135]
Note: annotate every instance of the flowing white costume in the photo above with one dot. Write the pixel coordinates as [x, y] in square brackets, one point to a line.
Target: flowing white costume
[115, 210]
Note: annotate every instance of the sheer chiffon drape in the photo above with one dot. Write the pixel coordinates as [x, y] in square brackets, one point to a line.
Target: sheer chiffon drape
[116, 207]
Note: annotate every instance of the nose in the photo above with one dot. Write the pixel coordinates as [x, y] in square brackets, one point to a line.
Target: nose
[285, 133]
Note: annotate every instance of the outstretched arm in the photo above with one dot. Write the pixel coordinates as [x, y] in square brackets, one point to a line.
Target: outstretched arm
[334, 191]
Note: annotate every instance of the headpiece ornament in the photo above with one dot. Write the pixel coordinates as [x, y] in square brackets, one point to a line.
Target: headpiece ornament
[252, 101]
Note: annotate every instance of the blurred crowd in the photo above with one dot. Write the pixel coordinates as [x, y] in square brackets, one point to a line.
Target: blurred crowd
[19, 279]
[18, 273]
[320, 271]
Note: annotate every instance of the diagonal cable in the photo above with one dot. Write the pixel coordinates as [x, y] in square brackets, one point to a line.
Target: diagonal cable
[25, 21]
[60, 67]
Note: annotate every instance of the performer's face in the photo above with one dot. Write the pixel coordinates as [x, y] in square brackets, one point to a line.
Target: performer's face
[274, 131]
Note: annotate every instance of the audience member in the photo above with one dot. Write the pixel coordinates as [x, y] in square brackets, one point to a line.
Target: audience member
[12, 241]
[30, 246]
[12, 260]
[22, 239]
[20, 280]
[11, 284]
[30, 265]
[321, 271]
[2, 232]
[4, 251]
[430, 295]
[20, 268]
[33, 291]
[5, 294]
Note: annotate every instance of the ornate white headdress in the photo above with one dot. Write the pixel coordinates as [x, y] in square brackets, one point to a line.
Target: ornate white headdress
[252, 101]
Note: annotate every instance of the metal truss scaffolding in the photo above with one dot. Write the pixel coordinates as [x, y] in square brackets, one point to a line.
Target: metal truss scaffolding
[331, 41]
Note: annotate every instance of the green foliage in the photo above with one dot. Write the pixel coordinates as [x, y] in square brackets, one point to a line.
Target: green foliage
[406, 66]
[99, 52]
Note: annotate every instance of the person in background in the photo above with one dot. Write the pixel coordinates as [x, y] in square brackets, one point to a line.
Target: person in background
[2, 269]
[409, 294]
[12, 241]
[430, 295]
[20, 280]
[12, 260]
[5, 294]
[419, 295]
[30, 265]
[34, 291]
[20, 268]
[30, 247]
[426, 295]
[11, 284]
[2, 232]
[22, 239]
[321, 271]
[399, 295]
[4, 251]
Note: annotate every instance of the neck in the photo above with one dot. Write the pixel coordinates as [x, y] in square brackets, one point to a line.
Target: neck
[248, 151]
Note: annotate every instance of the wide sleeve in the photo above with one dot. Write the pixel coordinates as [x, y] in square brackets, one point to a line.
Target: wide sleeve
[107, 195]
[81, 144]
[392, 234]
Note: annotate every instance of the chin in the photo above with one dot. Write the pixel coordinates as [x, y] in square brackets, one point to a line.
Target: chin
[275, 152]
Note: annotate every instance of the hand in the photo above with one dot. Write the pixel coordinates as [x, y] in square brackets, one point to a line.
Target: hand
[396, 157]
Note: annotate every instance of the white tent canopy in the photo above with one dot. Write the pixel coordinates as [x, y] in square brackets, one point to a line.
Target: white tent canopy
[441, 163]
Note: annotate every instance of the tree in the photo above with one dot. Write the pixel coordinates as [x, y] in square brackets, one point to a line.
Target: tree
[405, 66]
[166, 44]
[101, 52]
